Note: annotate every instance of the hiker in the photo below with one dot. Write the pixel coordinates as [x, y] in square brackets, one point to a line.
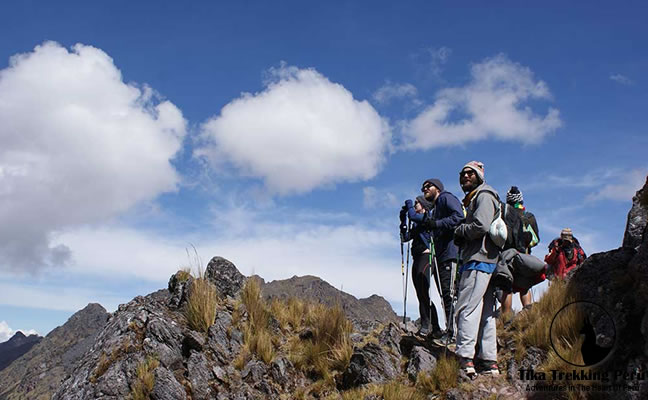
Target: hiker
[421, 255]
[565, 254]
[476, 322]
[446, 215]
[522, 235]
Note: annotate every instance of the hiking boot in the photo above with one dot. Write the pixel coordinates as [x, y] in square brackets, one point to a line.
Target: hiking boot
[438, 334]
[466, 366]
[424, 331]
[488, 367]
[443, 340]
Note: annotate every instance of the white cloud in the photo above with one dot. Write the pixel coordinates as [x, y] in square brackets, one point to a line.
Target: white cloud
[374, 198]
[364, 260]
[78, 146]
[623, 188]
[6, 332]
[390, 91]
[491, 105]
[621, 79]
[300, 132]
[430, 61]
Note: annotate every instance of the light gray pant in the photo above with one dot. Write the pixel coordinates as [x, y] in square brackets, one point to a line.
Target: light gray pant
[476, 322]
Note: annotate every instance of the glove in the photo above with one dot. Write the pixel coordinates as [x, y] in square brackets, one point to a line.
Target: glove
[457, 239]
[408, 204]
[403, 214]
[403, 230]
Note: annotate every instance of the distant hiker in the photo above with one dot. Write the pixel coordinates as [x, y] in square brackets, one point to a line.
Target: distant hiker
[420, 237]
[523, 234]
[446, 215]
[478, 253]
[565, 254]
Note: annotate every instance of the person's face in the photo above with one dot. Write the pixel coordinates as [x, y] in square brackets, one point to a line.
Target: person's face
[468, 179]
[418, 208]
[430, 191]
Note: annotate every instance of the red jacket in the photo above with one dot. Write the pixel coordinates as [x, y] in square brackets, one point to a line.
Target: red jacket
[561, 262]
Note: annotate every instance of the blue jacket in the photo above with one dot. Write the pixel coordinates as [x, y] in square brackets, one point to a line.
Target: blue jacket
[419, 234]
[442, 220]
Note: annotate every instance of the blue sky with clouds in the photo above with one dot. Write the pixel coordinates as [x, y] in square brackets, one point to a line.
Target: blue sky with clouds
[286, 137]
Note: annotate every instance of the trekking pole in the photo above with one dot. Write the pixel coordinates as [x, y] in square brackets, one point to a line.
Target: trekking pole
[437, 281]
[451, 311]
[404, 281]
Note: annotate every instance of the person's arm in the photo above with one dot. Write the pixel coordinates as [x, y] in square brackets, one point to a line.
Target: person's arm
[453, 219]
[482, 218]
[412, 214]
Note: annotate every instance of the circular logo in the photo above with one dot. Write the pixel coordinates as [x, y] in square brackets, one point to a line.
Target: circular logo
[583, 333]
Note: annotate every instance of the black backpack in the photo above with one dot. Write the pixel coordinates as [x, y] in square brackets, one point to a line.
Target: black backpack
[516, 237]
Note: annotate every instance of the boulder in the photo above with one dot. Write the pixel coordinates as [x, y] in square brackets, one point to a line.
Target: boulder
[225, 276]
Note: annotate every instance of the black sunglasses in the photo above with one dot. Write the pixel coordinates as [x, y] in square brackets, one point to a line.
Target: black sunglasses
[424, 188]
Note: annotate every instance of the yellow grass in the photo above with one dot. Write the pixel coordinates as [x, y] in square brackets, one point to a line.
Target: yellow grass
[442, 378]
[532, 327]
[330, 348]
[256, 335]
[144, 379]
[200, 309]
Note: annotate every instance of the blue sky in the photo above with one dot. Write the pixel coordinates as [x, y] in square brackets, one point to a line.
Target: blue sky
[286, 137]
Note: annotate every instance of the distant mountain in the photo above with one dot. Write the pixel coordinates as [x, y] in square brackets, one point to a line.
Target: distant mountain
[373, 308]
[15, 347]
[39, 372]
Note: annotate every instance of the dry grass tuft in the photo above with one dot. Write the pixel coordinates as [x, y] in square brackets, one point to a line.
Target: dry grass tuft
[330, 348]
[442, 378]
[533, 326]
[256, 334]
[200, 309]
[183, 274]
[144, 379]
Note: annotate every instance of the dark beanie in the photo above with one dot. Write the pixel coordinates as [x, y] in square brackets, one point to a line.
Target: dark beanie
[436, 182]
[424, 203]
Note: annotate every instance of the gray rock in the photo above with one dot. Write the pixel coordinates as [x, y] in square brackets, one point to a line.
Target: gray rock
[220, 374]
[225, 276]
[253, 371]
[193, 341]
[421, 360]
[166, 387]
[390, 337]
[278, 370]
[224, 346]
[370, 364]
[178, 287]
[636, 224]
[198, 374]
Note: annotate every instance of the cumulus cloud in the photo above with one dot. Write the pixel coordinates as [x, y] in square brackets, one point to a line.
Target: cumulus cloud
[78, 146]
[300, 132]
[6, 332]
[390, 91]
[491, 105]
[621, 79]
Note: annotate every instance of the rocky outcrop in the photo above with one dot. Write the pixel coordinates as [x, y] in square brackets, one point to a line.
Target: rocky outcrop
[617, 282]
[15, 347]
[39, 372]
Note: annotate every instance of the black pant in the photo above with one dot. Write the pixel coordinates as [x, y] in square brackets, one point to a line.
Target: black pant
[445, 270]
[421, 280]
